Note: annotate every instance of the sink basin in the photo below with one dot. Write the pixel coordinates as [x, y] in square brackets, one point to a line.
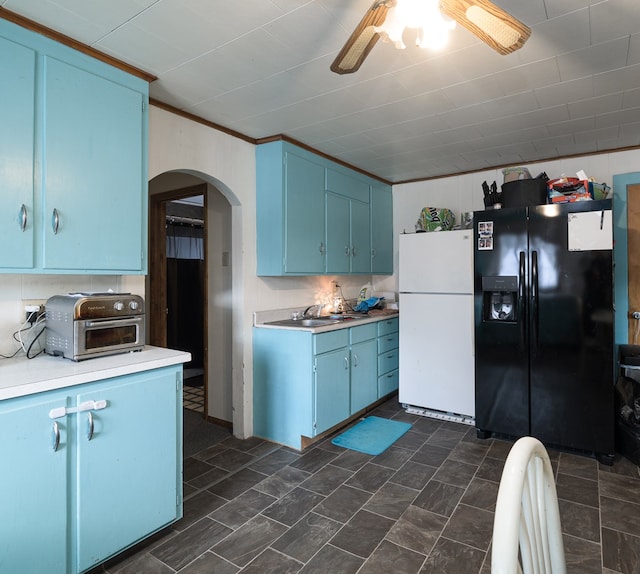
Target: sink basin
[314, 322]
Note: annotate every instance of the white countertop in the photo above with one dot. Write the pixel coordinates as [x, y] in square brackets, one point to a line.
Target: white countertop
[22, 376]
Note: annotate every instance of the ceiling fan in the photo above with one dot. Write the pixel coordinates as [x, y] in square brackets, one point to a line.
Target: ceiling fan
[495, 27]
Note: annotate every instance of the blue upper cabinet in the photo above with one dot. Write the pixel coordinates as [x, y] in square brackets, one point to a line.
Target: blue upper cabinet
[79, 139]
[17, 101]
[313, 216]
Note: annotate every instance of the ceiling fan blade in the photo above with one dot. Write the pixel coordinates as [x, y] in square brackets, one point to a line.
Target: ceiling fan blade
[491, 24]
[362, 40]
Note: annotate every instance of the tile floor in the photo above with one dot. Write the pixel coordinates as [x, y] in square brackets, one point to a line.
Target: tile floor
[423, 506]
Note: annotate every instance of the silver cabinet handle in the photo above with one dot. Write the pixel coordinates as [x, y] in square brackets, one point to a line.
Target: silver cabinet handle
[55, 221]
[373, 253]
[90, 426]
[347, 250]
[346, 363]
[355, 359]
[56, 436]
[322, 248]
[23, 217]
[353, 251]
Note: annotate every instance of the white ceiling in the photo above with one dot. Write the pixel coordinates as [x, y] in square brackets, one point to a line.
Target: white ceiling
[261, 68]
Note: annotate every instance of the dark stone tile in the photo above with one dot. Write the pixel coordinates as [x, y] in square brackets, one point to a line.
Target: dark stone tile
[580, 466]
[620, 515]
[193, 468]
[208, 563]
[362, 533]
[237, 483]
[472, 526]
[481, 494]
[394, 457]
[242, 508]
[196, 507]
[426, 425]
[314, 460]
[370, 477]
[231, 460]
[293, 506]
[343, 503]
[620, 486]
[446, 438]
[351, 459]
[209, 452]
[621, 465]
[139, 564]
[189, 544]
[334, 561]
[272, 561]
[500, 449]
[449, 557]
[620, 551]
[431, 455]
[188, 490]
[411, 440]
[580, 520]
[389, 557]
[471, 436]
[246, 444]
[244, 544]
[308, 536]
[468, 452]
[274, 461]
[577, 489]
[439, 497]
[413, 475]
[391, 500]
[208, 478]
[491, 469]
[417, 529]
[327, 479]
[455, 473]
[582, 556]
[283, 481]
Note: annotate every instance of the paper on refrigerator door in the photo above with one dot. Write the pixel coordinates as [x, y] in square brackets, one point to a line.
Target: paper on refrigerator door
[590, 231]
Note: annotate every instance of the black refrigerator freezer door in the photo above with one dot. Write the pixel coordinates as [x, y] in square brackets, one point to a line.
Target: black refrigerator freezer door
[571, 319]
[501, 353]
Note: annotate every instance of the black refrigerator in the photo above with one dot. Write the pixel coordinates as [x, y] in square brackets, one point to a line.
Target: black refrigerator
[543, 313]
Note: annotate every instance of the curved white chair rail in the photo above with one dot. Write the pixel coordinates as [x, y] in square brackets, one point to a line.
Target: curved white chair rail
[527, 516]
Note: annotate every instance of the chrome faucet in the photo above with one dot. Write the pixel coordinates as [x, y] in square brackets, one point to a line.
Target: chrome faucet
[317, 313]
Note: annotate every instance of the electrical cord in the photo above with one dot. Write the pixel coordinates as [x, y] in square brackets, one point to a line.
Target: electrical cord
[24, 328]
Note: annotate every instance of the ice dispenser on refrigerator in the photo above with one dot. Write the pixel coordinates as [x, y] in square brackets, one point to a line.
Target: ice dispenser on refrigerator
[499, 298]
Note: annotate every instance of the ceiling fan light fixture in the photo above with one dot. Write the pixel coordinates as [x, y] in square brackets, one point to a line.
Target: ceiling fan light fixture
[424, 15]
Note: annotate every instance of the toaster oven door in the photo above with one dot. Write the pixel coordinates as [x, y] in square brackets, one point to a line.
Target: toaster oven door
[102, 337]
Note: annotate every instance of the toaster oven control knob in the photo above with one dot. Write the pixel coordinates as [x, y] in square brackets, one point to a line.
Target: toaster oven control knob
[118, 305]
[133, 305]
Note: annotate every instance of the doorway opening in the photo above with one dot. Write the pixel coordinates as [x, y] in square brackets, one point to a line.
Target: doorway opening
[189, 285]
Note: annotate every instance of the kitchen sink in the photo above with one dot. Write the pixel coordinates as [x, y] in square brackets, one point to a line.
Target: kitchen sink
[316, 321]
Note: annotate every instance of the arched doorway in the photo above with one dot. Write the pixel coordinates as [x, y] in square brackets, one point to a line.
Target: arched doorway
[182, 307]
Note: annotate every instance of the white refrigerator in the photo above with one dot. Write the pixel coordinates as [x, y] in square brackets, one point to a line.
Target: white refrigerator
[436, 324]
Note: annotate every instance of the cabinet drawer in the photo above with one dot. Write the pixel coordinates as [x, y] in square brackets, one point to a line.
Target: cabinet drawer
[387, 383]
[363, 333]
[387, 326]
[387, 342]
[325, 342]
[387, 361]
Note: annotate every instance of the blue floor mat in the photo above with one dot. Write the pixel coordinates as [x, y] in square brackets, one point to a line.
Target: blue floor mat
[372, 435]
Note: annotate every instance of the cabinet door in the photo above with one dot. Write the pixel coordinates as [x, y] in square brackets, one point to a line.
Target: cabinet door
[93, 156]
[381, 230]
[364, 374]
[360, 237]
[331, 392]
[129, 468]
[17, 103]
[338, 234]
[304, 217]
[33, 486]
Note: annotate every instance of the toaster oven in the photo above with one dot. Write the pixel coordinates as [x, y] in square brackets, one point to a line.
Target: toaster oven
[85, 325]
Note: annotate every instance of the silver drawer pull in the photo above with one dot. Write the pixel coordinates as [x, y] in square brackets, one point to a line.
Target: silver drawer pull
[55, 221]
[90, 426]
[355, 360]
[56, 436]
[346, 363]
[23, 217]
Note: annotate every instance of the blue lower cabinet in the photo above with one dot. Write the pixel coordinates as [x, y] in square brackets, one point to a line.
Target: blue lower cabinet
[89, 471]
[387, 356]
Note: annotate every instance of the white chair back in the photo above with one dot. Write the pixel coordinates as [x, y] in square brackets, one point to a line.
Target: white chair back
[527, 518]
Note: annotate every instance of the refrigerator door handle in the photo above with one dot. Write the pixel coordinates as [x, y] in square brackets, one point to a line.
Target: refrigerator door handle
[534, 297]
[521, 299]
